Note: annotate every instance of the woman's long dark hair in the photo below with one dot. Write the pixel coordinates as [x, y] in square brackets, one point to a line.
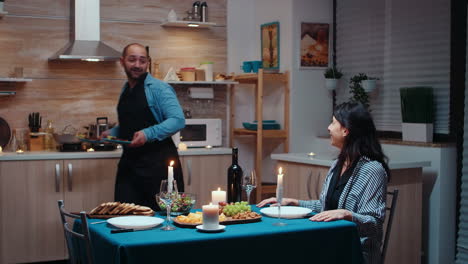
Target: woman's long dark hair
[362, 138]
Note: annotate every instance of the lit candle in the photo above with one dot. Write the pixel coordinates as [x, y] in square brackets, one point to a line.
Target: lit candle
[1, 150]
[279, 186]
[19, 151]
[218, 196]
[90, 150]
[170, 176]
[210, 216]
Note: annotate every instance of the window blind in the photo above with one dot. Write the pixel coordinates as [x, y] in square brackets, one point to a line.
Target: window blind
[462, 238]
[403, 43]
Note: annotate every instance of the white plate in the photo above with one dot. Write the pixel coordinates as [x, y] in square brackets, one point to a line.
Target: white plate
[135, 221]
[220, 228]
[286, 211]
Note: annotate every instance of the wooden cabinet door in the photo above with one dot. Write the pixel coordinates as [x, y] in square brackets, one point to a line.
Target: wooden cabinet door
[303, 182]
[88, 183]
[203, 174]
[30, 220]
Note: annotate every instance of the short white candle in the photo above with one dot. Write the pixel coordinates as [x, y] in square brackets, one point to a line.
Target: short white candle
[218, 196]
[210, 216]
[279, 186]
[170, 176]
[1, 150]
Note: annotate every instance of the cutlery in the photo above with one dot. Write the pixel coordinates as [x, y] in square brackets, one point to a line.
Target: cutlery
[99, 222]
[115, 231]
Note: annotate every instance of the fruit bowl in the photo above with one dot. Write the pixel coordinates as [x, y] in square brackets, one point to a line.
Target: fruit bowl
[181, 205]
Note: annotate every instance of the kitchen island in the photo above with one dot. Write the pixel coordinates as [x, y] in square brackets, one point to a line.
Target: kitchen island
[31, 183]
[304, 174]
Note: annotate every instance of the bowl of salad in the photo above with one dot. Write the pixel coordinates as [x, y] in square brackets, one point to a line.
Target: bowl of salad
[182, 204]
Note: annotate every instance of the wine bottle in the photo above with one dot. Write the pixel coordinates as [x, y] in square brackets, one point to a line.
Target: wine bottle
[234, 179]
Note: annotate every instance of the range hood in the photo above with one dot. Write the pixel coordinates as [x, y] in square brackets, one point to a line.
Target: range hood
[85, 42]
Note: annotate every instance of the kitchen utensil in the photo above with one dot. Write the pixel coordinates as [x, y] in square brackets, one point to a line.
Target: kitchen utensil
[67, 136]
[34, 121]
[5, 133]
[101, 125]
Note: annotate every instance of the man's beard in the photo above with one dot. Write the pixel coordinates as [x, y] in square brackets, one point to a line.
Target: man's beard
[134, 73]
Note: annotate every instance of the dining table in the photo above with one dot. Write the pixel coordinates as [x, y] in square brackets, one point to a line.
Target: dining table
[300, 240]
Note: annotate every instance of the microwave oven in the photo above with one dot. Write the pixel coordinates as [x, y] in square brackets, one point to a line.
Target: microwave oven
[200, 133]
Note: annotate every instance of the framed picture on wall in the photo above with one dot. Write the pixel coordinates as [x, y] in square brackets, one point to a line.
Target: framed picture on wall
[270, 46]
[314, 50]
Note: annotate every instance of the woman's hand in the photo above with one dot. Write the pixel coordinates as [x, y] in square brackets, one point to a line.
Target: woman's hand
[327, 216]
[274, 202]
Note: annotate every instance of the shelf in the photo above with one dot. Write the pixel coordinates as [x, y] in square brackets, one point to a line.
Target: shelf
[253, 77]
[15, 80]
[3, 13]
[6, 93]
[280, 133]
[186, 24]
[203, 82]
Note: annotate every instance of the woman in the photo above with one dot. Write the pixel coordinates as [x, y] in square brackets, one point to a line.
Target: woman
[356, 185]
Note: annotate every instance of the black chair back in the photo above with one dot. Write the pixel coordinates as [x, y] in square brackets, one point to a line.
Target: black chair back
[76, 241]
[391, 212]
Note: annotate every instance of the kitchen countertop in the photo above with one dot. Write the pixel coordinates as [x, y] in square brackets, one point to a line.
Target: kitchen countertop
[48, 155]
[326, 159]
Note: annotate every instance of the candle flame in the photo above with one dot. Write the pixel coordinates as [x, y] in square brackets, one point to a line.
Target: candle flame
[211, 203]
[219, 189]
[280, 170]
[172, 163]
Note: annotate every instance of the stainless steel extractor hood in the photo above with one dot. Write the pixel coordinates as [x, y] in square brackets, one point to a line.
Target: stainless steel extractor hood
[85, 42]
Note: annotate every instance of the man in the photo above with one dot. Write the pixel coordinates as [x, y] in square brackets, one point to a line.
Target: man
[149, 114]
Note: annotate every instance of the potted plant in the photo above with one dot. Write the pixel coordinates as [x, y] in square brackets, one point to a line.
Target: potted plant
[417, 113]
[357, 91]
[369, 84]
[332, 75]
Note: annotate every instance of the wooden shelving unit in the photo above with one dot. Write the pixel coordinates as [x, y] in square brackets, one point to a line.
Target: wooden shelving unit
[189, 24]
[7, 79]
[258, 82]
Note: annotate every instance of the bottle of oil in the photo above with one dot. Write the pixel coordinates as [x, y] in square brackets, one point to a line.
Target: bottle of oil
[49, 142]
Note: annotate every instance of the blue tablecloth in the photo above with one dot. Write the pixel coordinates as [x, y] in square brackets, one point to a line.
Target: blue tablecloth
[300, 240]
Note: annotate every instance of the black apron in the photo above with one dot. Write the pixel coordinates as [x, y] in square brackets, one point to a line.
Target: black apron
[141, 169]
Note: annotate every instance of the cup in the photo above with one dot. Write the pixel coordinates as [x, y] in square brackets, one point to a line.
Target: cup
[247, 66]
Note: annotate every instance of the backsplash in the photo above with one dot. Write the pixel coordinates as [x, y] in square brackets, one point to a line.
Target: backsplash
[78, 92]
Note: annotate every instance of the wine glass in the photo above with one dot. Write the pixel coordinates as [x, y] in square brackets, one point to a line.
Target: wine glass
[167, 194]
[249, 182]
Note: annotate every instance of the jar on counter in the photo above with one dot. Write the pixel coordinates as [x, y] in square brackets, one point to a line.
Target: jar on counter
[188, 74]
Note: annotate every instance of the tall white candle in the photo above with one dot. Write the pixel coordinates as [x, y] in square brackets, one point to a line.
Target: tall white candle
[279, 184]
[210, 216]
[218, 196]
[170, 176]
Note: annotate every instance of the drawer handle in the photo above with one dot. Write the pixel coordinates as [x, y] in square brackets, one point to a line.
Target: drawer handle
[309, 180]
[70, 177]
[57, 177]
[189, 169]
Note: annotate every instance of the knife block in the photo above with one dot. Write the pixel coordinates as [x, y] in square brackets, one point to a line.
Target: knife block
[36, 143]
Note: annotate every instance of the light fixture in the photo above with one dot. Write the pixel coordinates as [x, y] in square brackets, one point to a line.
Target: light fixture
[90, 59]
[193, 25]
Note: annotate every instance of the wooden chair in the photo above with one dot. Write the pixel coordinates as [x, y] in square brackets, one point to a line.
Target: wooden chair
[76, 241]
[391, 211]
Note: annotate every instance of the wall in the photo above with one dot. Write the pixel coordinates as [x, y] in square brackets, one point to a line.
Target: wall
[244, 21]
[78, 92]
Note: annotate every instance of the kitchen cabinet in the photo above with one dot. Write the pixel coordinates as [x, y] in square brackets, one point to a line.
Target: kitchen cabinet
[305, 181]
[203, 174]
[258, 81]
[29, 191]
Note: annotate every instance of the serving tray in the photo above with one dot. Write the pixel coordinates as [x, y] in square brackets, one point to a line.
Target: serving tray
[95, 216]
[228, 221]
